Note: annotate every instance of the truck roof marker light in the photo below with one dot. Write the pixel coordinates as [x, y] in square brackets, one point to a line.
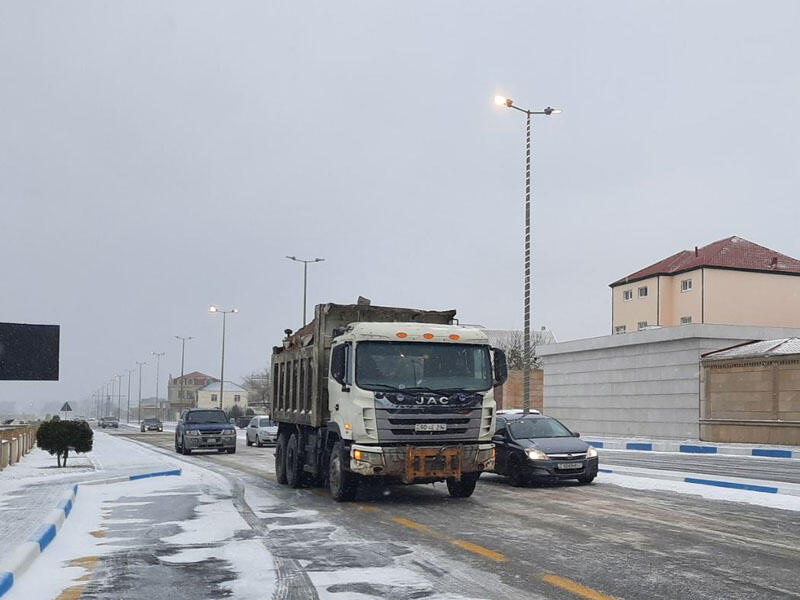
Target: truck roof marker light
[427, 336]
[401, 334]
[454, 336]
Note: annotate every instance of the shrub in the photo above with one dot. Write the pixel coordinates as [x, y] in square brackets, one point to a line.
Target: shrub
[59, 437]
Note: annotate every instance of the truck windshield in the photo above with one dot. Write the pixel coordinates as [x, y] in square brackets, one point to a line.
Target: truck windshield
[433, 366]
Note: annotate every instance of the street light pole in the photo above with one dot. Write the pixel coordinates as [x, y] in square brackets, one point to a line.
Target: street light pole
[183, 350]
[128, 413]
[305, 278]
[140, 388]
[158, 356]
[119, 395]
[526, 335]
[215, 309]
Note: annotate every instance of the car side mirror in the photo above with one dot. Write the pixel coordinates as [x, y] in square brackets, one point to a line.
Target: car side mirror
[576, 434]
[498, 438]
[500, 367]
[338, 364]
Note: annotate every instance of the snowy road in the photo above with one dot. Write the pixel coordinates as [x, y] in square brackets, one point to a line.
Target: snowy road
[225, 528]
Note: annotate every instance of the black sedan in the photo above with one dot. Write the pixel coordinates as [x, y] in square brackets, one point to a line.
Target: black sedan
[152, 425]
[536, 447]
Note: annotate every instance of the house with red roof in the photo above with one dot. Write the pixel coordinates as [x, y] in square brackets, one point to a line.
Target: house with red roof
[728, 282]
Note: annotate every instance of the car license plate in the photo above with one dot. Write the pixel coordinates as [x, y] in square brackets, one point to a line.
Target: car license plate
[430, 427]
[570, 465]
[212, 440]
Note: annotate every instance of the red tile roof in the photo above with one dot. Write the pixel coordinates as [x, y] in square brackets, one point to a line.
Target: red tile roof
[730, 253]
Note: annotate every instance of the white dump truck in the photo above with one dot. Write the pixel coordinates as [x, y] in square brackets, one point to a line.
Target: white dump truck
[401, 394]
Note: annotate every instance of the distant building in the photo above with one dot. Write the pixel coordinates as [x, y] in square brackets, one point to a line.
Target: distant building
[728, 282]
[233, 395]
[182, 391]
[150, 408]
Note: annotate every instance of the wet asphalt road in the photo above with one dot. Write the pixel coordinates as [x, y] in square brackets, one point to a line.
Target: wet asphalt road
[564, 541]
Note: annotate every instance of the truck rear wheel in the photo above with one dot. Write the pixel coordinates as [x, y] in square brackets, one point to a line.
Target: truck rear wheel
[280, 459]
[294, 468]
[463, 488]
[342, 484]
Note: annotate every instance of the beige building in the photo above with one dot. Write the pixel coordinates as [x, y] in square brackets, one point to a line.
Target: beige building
[182, 391]
[233, 395]
[728, 282]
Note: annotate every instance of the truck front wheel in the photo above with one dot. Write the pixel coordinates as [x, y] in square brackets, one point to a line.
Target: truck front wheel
[294, 468]
[343, 484]
[463, 488]
[280, 459]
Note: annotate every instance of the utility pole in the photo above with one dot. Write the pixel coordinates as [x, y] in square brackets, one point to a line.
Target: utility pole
[128, 413]
[140, 388]
[305, 278]
[158, 356]
[183, 351]
[215, 309]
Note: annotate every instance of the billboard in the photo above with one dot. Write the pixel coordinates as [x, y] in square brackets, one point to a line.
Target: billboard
[29, 352]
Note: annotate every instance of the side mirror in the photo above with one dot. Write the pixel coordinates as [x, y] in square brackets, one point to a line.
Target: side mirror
[338, 364]
[500, 367]
[576, 434]
[498, 438]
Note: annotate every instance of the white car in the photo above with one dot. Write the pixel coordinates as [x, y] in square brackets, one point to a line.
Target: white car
[261, 430]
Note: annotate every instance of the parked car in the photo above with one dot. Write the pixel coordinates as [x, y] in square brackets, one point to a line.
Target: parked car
[109, 422]
[261, 431]
[243, 421]
[536, 447]
[152, 425]
[516, 411]
[204, 429]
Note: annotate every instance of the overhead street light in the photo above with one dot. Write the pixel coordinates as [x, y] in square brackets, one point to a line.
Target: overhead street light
[509, 103]
[158, 356]
[225, 313]
[305, 278]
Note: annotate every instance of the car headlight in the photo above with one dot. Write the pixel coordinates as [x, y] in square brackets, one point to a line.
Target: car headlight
[229, 433]
[535, 454]
[591, 452]
[191, 432]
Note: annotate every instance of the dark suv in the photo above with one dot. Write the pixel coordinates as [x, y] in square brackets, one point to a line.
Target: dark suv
[204, 429]
[152, 425]
[536, 447]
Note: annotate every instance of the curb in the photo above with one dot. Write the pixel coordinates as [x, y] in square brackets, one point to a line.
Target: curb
[709, 480]
[693, 448]
[18, 561]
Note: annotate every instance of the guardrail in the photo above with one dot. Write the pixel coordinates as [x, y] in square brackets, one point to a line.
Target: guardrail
[15, 442]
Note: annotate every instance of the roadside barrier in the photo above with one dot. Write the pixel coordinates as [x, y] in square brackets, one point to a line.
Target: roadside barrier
[14, 564]
[5, 454]
[693, 448]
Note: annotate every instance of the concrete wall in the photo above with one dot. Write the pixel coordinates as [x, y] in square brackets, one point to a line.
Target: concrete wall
[509, 395]
[751, 400]
[645, 383]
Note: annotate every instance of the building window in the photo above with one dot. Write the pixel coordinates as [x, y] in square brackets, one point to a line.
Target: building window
[686, 285]
[686, 320]
[190, 382]
[642, 325]
[237, 398]
[213, 398]
[643, 292]
[620, 328]
[627, 295]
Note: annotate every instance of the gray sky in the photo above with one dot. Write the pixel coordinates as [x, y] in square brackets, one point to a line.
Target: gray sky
[159, 156]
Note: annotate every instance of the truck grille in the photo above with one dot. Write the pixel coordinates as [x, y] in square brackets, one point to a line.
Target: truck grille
[399, 424]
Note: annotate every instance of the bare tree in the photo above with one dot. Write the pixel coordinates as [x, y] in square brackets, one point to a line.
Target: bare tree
[258, 386]
[513, 344]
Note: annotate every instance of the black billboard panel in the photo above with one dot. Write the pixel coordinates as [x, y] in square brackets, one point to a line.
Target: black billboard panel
[29, 352]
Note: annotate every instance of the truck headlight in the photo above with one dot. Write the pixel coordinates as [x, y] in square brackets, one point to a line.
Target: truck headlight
[191, 432]
[535, 454]
[591, 452]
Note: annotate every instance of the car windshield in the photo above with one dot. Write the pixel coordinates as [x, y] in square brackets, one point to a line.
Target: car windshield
[206, 416]
[265, 423]
[537, 428]
[151, 420]
[434, 366]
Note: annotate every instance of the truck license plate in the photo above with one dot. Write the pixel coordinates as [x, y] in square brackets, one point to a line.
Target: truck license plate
[570, 465]
[430, 427]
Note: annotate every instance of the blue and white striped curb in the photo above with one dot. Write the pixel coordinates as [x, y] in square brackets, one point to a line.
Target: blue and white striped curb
[17, 562]
[766, 487]
[694, 448]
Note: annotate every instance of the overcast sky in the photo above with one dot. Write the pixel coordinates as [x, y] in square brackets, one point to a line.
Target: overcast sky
[159, 156]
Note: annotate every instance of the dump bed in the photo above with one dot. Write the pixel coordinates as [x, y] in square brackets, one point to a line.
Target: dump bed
[300, 365]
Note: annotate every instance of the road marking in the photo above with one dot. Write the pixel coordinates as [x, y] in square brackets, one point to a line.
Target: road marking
[476, 549]
[574, 587]
[366, 508]
[415, 526]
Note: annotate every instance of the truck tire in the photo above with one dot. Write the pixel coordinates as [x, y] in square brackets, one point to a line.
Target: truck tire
[342, 484]
[294, 468]
[463, 488]
[280, 459]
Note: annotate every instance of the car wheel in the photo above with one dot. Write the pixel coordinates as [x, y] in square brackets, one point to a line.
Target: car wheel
[259, 443]
[177, 448]
[280, 459]
[231, 450]
[247, 440]
[585, 479]
[517, 473]
[294, 468]
[342, 484]
[184, 449]
[463, 488]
